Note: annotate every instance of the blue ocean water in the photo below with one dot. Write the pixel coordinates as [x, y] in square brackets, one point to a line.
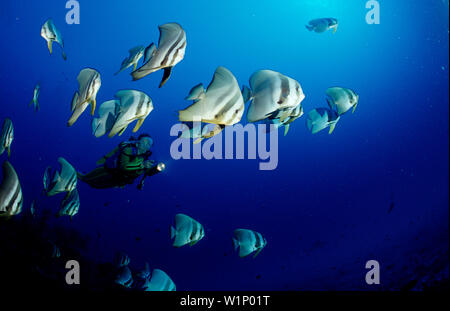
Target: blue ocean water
[324, 210]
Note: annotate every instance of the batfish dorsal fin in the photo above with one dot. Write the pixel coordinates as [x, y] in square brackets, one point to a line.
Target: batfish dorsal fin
[67, 170]
[182, 220]
[168, 33]
[85, 77]
[222, 77]
[127, 97]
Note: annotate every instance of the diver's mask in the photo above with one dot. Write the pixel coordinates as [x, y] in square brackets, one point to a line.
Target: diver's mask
[144, 144]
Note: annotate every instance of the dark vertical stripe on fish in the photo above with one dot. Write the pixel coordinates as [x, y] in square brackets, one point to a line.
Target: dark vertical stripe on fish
[178, 50]
[233, 100]
[258, 239]
[140, 105]
[13, 199]
[285, 90]
[166, 57]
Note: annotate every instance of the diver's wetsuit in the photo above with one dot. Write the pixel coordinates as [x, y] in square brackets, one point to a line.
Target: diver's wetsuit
[119, 168]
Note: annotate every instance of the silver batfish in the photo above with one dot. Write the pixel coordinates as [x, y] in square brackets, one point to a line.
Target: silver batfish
[170, 51]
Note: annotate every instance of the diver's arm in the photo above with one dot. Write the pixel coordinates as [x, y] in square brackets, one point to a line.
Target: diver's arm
[105, 157]
[149, 167]
[150, 170]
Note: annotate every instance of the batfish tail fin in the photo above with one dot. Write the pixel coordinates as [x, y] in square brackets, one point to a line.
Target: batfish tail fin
[246, 93]
[235, 244]
[173, 232]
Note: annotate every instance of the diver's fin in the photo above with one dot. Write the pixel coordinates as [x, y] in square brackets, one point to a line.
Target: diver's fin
[138, 125]
[173, 232]
[93, 104]
[49, 45]
[286, 129]
[166, 76]
[332, 126]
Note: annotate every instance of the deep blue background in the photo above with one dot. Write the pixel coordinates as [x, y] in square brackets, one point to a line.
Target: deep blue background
[323, 210]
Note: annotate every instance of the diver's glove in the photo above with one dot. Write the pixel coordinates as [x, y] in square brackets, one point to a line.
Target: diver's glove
[148, 164]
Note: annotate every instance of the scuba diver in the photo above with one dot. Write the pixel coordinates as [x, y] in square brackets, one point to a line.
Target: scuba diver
[124, 165]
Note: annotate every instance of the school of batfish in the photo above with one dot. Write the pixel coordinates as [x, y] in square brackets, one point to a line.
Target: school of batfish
[274, 99]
